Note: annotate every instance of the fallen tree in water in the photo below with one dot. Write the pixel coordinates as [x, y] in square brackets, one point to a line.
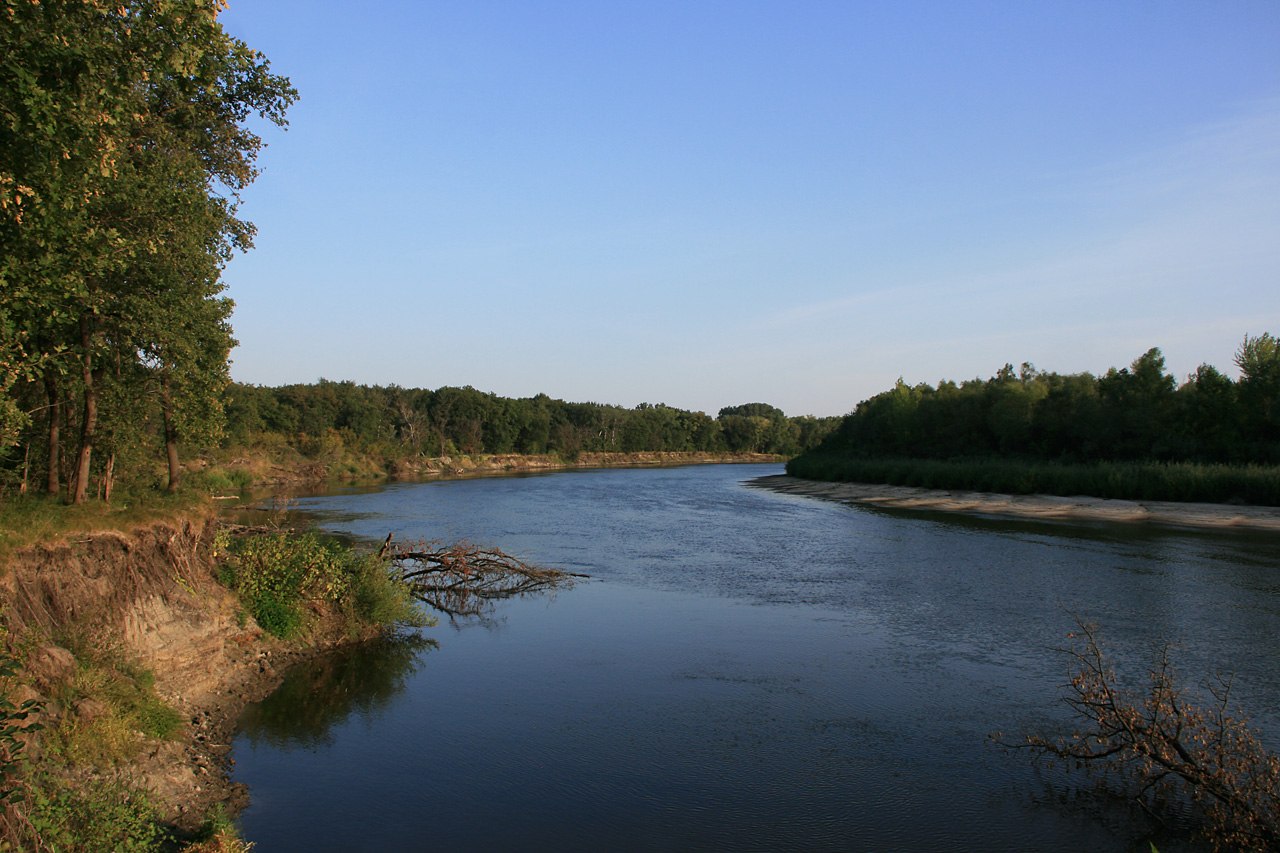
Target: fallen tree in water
[464, 580]
[1166, 750]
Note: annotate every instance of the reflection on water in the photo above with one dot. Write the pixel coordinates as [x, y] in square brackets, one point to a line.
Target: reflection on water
[748, 670]
[321, 693]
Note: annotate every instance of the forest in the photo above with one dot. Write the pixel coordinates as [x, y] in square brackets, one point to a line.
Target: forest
[1130, 432]
[405, 422]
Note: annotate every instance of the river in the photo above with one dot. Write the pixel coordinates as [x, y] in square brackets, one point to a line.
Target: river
[744, 670]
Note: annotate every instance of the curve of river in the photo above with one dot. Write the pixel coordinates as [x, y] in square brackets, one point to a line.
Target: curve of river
[745, 670]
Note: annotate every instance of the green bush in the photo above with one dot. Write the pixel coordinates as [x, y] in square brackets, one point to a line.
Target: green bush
[380, 598]
[12, 724]
[97, 815]
[220, 481]
[276, 575]
[275, 616]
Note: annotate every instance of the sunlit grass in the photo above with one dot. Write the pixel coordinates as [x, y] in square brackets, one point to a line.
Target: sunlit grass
[30, 519]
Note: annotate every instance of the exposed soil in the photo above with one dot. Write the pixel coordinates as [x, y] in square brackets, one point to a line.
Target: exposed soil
[292, 470]
[153, 595]
[1044, 507]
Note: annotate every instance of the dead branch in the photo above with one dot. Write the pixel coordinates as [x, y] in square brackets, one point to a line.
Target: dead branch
[1169, 747]
[464, 580]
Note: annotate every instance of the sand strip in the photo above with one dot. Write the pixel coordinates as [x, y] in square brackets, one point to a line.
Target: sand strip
[1043, 507]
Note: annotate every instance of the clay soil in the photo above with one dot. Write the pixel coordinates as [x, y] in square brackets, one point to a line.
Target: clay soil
[152, 595]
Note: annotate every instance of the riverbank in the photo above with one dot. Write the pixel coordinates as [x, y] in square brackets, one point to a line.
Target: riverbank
[1036, 507]
[105, 624]
[282, 468]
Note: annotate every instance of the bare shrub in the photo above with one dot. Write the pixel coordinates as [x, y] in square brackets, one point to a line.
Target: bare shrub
[1165, 749]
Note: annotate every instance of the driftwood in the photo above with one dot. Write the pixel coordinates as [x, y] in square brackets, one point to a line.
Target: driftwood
[464, 580]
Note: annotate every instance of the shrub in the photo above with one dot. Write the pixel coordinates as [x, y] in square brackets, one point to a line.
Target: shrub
[12, 724]
[381, 598]
[277, 574]
[98, 815]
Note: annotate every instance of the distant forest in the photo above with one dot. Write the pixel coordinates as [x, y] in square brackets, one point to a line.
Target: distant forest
[397, 422]
[1139, 413]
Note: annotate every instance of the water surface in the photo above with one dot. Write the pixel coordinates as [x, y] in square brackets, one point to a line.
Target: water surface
[745, 670]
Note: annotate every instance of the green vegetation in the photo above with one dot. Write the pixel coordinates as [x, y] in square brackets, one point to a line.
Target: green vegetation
[76, 797]
[13, 723]
[118, 710]
[97, 815]
[34, 519]
[124, 146]
[1131, 433]
[324, 420]
[280, 577]
[1174, 481]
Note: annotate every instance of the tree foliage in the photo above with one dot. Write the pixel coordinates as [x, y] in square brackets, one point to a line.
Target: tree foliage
[124, 145]
[397, 422]
[1136, 413]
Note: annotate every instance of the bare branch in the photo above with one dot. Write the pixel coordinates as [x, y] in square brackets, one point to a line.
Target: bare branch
[464, 580]
[1168, 747]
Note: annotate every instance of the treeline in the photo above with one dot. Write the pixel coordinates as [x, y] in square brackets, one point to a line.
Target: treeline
[1139, 415]
[124, 145]
[394, 422]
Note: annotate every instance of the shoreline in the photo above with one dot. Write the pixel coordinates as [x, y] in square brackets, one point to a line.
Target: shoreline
[1201, 516]
[152, 595]
[260, 472]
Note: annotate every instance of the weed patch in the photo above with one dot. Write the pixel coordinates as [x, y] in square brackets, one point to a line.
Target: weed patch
[278, 575]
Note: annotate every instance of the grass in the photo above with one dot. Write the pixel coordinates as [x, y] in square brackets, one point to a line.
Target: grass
[126, 712]
[41, 519]
[90, 816]
[1183, 481]
[76, 797]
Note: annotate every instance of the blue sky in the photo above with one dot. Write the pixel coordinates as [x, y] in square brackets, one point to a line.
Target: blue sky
[711, 203]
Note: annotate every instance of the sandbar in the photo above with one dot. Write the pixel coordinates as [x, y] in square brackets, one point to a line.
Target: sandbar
[1041, 507]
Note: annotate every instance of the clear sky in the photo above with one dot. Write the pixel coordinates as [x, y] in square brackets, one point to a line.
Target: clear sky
[707, 203]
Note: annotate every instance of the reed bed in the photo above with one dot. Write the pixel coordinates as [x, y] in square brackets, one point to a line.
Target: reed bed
[1151, 481]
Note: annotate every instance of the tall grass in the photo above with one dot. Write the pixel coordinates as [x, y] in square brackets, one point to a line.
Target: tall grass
[30, 519]
[1152, 481]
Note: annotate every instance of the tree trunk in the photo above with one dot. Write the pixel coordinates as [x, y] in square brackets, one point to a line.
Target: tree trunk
[170, 435]
[89, 425]
[53, 482]
[108, 478]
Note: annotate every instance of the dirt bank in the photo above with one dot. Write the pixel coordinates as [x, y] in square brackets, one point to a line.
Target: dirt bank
[259, 469]
[515, 462]
[152, 595]
[1043, 507]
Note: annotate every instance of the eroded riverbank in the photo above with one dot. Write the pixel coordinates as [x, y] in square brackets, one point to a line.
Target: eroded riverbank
[78, 610]
[1041, 507]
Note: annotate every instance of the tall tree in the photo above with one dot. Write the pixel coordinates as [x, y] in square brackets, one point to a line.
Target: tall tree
[1259, 394]
[123, 129]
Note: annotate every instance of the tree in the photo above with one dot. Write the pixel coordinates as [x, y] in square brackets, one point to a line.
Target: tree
[1166, 746]
[1137, 403]
[1259, 394]
[123, 130]
[1207, 416]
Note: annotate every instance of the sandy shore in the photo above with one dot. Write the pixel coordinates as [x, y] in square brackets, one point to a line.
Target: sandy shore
[1043, 507]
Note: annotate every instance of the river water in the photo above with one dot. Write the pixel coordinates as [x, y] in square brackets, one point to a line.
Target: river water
[743, 671]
